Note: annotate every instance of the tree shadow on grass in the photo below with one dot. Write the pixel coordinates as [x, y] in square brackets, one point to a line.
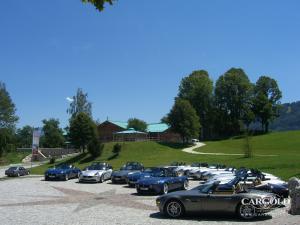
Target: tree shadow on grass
[75, 159]
[213, 217]
[175, 145]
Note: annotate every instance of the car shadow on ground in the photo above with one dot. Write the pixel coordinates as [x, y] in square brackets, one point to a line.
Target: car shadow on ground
[145, 194]
[213, 217]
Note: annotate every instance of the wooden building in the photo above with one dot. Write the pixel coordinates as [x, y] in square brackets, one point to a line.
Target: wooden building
[114, 130]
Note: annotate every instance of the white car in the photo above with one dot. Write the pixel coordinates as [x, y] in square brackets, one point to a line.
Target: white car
[97, 172]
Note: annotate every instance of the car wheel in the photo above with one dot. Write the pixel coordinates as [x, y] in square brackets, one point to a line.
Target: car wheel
[174, 209]
[18, 174]
[165, 189]
[185, 185]
[46, 179]
[66, 177]
[246, 212]
[102, 179]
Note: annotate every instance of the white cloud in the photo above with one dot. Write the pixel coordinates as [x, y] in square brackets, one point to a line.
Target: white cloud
[69, 99]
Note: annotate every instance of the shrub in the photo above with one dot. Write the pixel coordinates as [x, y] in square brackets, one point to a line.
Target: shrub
[95, 148]
[117, 148]
[52, 160]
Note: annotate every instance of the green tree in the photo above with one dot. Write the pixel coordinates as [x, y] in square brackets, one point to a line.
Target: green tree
[137, 124]
[8, 118]
[95, 148]
[232, 98]
[82, 131]
[184, 120]
[6, 137]
[197, 88]
[24, 136]
[53, 134]
[99, 4]
[266, 101]
[80, 104]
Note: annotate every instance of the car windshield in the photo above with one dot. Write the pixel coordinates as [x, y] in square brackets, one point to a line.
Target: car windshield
[96, 167]
[130, 167]
[163, 173]
[63, 167]
[205, 188]
[195, 165]
[13, 168]
[152, 170]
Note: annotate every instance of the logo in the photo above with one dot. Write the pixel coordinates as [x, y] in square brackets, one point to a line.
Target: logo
[265, 203]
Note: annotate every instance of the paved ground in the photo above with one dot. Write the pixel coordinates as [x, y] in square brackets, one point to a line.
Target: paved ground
[31, 200]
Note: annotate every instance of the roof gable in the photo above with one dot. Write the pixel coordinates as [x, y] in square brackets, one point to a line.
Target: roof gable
[152, 127]
[157, 127]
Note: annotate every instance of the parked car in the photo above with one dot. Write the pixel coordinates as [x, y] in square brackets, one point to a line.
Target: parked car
[250, 181]
[62, 172]
[203, 199]
[132, 178]
[281, 190]
[161, 183]
[120, 176]
[96, 172]
[16, 171]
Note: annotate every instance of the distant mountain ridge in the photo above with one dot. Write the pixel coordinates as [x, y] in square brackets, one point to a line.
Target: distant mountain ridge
[289, 118]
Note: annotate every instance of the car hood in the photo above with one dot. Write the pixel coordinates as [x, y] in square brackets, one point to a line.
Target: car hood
[152, 180]
[138, 175]
[92, 172]
[56, 170]
[122, 172]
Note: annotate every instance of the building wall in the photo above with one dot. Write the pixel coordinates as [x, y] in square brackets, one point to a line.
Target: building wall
[106, 131]
[166, 136]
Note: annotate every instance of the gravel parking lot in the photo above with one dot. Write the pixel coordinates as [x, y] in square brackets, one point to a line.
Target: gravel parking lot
[30, 200]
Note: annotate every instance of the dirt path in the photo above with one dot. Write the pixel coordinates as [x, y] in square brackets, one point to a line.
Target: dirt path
[200, 144]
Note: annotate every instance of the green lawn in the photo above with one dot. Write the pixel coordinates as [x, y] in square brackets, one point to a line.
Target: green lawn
[284, 144]
[13, 157]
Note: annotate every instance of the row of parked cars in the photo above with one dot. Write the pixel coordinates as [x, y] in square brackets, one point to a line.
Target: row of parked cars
[221, 189]
[157, 180]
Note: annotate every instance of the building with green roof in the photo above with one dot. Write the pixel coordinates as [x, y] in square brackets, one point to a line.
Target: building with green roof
[112, 131]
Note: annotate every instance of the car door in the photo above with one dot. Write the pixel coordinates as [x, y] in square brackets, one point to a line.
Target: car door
[195, 202]
[217, 202]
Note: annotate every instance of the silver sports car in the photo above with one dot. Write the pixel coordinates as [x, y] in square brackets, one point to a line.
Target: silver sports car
[206, 199]
[97, 172]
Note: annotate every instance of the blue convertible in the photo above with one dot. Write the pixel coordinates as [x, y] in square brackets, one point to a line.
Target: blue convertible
[62, 172]
[161, 183]
[148, 172]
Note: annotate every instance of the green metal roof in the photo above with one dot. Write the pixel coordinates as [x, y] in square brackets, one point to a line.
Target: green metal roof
[152, 127]
[120, 124]
[130, 131]
[157, 127]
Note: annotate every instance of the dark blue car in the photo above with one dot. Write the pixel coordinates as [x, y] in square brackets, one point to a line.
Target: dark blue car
[162, 183]
[148, 172]
[62, 172]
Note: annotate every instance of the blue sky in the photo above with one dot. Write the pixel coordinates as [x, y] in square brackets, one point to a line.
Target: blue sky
[131, 57]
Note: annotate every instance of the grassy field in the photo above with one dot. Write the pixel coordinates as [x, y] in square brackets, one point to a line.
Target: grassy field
[13, 157]
[284, 144]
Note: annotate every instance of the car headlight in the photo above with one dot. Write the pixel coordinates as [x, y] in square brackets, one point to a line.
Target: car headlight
[96, 174]
[62, 172]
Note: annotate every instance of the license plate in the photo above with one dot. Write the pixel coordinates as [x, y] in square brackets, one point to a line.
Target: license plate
[144, 189]
[51, 176]
[117, 178]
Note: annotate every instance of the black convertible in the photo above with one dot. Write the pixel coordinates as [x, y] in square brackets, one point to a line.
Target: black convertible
[205, 199]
